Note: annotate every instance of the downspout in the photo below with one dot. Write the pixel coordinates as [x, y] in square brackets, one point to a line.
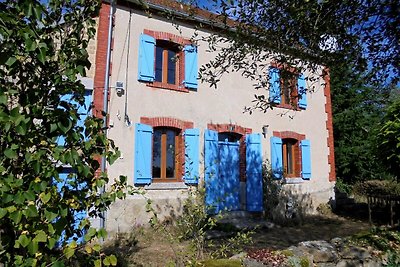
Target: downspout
[105, 98]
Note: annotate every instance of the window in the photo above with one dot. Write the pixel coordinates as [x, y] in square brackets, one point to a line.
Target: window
[287, 89]
[167, 61]
[167, 153]
[166, 144]
[290, 155]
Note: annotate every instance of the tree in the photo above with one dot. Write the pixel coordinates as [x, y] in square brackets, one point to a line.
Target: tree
[306, 34]
[389, 138]
[43, 50]
[358, 110]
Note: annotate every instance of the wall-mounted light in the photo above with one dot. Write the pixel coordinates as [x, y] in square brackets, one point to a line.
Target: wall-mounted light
[119, 88]
[232, 128]
[265, 130]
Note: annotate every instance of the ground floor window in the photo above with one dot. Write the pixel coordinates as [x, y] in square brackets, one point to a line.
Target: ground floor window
[165, 154]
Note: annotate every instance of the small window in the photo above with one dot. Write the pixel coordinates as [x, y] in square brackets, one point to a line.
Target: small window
[166, 63]
[290, 156]
[165, 154]
[229, 136]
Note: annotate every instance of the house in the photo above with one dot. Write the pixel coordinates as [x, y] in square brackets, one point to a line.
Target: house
[175, 132]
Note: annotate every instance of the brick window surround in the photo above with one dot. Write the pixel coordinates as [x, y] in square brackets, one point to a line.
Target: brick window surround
[180, 41]
[242, 131]
[294, 136]
[295, 72]
[172, 123]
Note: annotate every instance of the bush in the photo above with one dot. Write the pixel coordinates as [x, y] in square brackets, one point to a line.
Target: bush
[378, 187]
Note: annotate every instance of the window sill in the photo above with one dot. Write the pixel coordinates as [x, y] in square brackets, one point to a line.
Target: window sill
[166, 186]
[295, 180]
[288, 106]
[173, 87]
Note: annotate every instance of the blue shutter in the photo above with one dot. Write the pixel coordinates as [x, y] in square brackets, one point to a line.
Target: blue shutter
[302, 91]
[191, 67]
[192, 156]
[211, 165]
[146, 58]
[274, 86]
[276, 157]
[64, 182]
[305, 159]
[83, 112]
[143, 154]
[254, 185]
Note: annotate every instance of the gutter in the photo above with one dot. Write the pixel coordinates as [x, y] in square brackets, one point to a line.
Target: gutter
[105, 98]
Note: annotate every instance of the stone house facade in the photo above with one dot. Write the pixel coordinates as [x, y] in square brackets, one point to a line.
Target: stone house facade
[175, 132]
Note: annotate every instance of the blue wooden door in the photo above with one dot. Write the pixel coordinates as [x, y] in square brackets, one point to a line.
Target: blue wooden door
[229, 182]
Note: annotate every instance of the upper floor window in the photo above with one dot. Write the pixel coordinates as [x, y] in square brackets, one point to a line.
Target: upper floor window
[167, 61]
[287, 89]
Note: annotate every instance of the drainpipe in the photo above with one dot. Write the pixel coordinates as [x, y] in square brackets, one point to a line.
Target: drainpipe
[105, 96]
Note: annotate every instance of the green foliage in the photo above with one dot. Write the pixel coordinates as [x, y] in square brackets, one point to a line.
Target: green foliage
[381, 238]
[231, 246]
[43, 50]
[357, 112]
[378, 187]
[192, 226]
[272, 190]
[343, 187]
[221, 263]
[389, 138]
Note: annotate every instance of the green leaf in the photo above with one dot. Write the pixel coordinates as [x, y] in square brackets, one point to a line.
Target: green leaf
[51, 243]
[40, 236]
[33, 247]
[29, 195]
[106, 261]
[11, 61]
[24, 240]
[42, 55]
[50, 216]
[30, 45]
[45, 197]
[3, 212]
[9, 153]
[16, 216]
[53, 127]
[97, 263]
[90, 233]
[96, 247]
[113, 260]
[69, 252]
[21, 129]
[31, 211]
[7, 126]
[3, 99]
[102, 233]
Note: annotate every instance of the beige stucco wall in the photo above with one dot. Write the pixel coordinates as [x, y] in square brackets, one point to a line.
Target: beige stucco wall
[206, 105]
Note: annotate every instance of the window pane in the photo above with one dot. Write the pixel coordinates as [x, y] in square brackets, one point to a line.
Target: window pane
[159, 55]
[157, 154]
[286, 91]
[171, 66]
[170, 164]
[289, 151]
